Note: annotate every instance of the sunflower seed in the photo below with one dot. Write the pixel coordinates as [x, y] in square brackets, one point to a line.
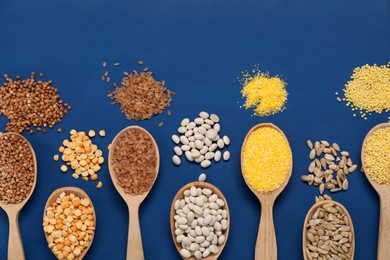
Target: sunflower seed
[352, 168]
[345, 153]
[329, 157]
[309, 144]
[345, 184]
[312, 154]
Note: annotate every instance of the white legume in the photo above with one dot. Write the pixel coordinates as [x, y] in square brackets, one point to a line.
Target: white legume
[176, 160]
[226, 155]
[202, 177]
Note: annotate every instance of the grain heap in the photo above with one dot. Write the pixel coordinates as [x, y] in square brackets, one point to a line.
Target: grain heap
[140, 96]
[134, 161]
[368, 90]
[266, 159]
[377, 156]
[328, 160]
[70, 225]
[29, 103]
[81, 155]
[267, 95]
[17, 169]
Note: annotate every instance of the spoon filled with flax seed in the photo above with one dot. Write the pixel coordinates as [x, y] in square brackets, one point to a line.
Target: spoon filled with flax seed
[18, 167]
[134, 161]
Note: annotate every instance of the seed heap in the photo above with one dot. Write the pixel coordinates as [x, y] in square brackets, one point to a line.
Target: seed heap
[329, 234]
[17, 169]
[266, 159]
[29, 103]
[327, 160]
[377, 156]
[134, 161]
[368, 90]
[200, 141]
[140, 96]
[267, 95]
[81, 155]
[201, 222]
[70, 225]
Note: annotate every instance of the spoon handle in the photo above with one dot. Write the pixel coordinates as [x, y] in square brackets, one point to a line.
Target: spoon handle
[384, 227]
[266, 248]
[15, 246]
[134, 240]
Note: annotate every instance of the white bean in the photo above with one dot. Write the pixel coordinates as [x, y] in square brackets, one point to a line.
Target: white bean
[224, 224]
[214, 117]
[185, 147]
[193, 191]
[188, 133]
[199, 137]
[220, 144]
[199, 121]
[191, 144]
[202, 130]
[217, 156]
[200, 159]
[205, 163]
[213, 249]
[226, 155]
[206, 253]
[217, 127]
[209, 155]
[211, 134]
[184, 140]
[175, 139]
[178, 151]
[220, 202]
[188, 155]
[182, 130]
[198, 144]
[191, 125]
[200, 239]
[176, 160]
[184, 122]
[204, 150]
[202, 177]
[195, 154]
[198, 254]
[226, 139]
[209, 122]
[204, 115]
[212, 147]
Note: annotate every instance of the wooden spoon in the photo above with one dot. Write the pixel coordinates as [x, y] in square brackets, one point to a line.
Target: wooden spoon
[312, 210]
[266, 247]
[79, 193]
[134, 240]
[15, 243]
[180, 195]
[383, 191]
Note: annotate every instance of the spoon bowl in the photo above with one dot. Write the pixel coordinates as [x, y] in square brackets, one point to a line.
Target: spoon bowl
[383, 191]
[15, 244]
[309, 215]
[134, 242]
[180, 195]
[79, 193]
[266, 247]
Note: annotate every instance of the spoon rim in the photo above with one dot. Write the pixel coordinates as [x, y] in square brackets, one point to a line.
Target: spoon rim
[81, 194]
[276, 192]
[312, 210]
[20, 205]
[124, 195]
[377, 186]
[180, 194]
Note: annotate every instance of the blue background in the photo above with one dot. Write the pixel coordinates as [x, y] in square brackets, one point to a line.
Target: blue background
[199, 48]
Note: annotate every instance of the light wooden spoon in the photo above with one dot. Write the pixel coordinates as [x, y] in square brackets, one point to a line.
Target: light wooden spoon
[15, 244]
[180, 195]
[79, 193]
[310, 213]
[383, 191]
[266, 247]
[134, 240]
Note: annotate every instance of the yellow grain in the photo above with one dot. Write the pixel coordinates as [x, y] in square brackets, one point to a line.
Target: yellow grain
[369, 89]
[377, 156]
[266, 159]
[267, 95]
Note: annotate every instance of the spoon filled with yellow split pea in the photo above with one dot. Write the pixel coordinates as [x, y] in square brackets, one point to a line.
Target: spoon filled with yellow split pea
[376, 165]
[266, 165]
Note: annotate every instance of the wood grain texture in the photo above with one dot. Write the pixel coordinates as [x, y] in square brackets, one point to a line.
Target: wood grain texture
[310, 213]
[266, 245]
[180, 195]
[79, 193]
[134, 240]
[383, 191]
[15, 243]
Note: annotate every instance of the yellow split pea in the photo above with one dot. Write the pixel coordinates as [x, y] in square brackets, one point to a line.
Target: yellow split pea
[266, 159]
[377, 156]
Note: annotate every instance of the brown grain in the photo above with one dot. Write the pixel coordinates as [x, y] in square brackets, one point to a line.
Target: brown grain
[134, 161]
[17, 169]
[28, 103]
[141, 96]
